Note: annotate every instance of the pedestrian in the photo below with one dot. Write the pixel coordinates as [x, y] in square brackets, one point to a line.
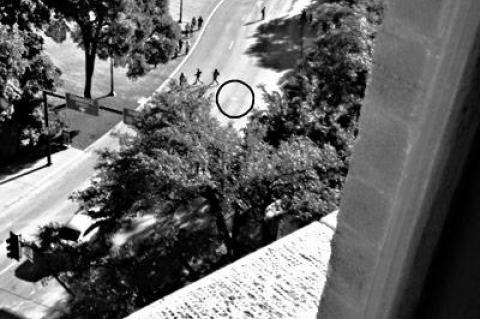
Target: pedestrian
[183, 79]
[197, 76]
[215, 76]
[176, 52]
[263, 12]
[194, 23]
[303, 17]
[200, 22]
[187, 47]
[310, 17]
[187, 29]
[180, 44]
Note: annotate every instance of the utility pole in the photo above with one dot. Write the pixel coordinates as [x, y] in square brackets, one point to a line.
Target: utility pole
[45, 111]
[181, 11]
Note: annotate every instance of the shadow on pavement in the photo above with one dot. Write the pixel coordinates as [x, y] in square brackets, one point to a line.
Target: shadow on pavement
[27, 160]
[23, 174]
[31, 272]
[278, 43]
[7, 314]
[252, 22]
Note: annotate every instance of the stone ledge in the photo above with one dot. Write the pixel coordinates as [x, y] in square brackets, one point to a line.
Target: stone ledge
[282, 280]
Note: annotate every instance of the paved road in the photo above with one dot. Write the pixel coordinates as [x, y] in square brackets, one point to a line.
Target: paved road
[224, 45]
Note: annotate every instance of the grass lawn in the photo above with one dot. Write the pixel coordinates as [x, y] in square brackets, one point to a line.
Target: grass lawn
[70, 59]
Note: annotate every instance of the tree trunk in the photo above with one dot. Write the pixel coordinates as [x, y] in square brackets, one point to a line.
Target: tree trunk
[215, 207]
[90, 53]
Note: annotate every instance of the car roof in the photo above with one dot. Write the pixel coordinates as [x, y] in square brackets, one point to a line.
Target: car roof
[80, 222]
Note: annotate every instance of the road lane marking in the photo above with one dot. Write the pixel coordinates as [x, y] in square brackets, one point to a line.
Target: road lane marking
[231, 45]
[167, 81]
[7, 268]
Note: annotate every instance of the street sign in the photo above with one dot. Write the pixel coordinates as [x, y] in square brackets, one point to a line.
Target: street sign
[81, 104]
[29, 253]
[130, 116]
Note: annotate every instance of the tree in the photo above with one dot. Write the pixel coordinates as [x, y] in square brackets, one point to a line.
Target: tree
[208, 188]
[24, 72]
[293, 157]
[322, 97]
[131, 32]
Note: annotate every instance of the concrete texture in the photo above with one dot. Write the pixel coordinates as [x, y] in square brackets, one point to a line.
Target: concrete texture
[416, 129]
[282, 280]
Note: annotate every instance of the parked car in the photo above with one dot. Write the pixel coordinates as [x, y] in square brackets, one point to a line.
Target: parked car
[81, 228]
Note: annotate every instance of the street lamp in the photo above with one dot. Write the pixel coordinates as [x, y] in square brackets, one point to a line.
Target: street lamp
[181, 11]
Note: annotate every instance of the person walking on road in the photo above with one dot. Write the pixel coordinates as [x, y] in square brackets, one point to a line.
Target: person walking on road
[215, 76]
[200, 22]
[180, 44]
[176, 52]
[263, 12]
[194, 23]
[187, 47]
[188, 29]
[183, 79]
[197, 76]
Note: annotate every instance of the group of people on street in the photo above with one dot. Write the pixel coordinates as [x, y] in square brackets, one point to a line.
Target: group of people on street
[195, 25]
[306, 16]
[183, 79]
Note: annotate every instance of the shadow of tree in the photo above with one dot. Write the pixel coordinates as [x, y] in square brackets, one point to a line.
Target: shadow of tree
[7, 314]
[278, 43]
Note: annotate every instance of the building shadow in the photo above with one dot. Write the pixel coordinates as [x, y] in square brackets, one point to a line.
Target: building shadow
[278, 43]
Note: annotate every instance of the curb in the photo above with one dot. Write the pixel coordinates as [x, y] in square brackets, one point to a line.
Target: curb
[167, 80]
[92, 147]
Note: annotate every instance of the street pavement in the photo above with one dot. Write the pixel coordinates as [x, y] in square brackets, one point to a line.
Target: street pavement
[224, 45]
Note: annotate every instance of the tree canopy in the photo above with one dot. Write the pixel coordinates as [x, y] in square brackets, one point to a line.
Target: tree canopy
[137, 34]
[24, 72]
[290, 163]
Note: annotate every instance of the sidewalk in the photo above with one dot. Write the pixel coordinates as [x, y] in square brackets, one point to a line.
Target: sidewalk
[23, 183]
[16, 186]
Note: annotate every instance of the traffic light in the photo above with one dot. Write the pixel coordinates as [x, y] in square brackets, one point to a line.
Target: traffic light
[14, 246]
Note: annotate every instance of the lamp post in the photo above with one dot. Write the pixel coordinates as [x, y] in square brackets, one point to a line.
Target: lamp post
[181, 11]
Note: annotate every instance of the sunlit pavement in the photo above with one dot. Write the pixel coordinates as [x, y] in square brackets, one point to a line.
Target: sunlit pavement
[229, 43]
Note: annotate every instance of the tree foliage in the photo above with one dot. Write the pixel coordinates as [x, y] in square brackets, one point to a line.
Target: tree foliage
[293, 156]
[24, 72]
[136, 34]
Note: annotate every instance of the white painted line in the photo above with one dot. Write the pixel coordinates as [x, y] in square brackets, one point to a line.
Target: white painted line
[48, 179]
[191, 51]
[7, 268]
[231, 45]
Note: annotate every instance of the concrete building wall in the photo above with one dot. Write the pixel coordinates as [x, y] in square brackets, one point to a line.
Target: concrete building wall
[416, 129]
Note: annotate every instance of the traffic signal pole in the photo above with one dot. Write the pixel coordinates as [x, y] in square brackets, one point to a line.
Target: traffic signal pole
[14, 246]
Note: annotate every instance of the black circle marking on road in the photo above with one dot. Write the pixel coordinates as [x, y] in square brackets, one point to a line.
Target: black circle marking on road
[220, 107]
